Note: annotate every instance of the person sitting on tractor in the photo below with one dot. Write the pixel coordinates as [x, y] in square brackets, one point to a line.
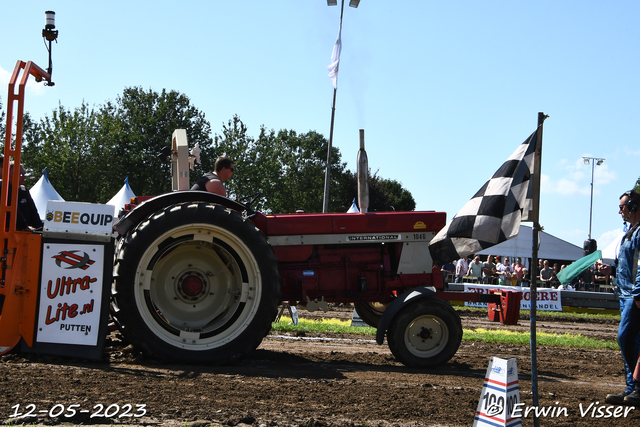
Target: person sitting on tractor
[212, 181]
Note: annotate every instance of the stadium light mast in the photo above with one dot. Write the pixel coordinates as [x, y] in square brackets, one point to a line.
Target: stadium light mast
[594, 161]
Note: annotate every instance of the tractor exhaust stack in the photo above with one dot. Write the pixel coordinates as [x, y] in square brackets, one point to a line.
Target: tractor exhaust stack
[363, 176]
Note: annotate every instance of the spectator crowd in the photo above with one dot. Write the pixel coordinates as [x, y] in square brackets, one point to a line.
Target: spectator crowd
[498, 270]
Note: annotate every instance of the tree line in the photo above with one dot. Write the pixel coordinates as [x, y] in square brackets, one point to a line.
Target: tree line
[88, 152]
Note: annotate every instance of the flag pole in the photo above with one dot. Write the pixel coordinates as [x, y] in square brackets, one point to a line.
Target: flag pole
[327, 174]
[537, 166]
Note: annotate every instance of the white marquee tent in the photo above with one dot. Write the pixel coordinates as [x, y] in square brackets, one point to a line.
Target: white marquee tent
[122, 197]
[610, 253]
[521, 246]
[42, 192]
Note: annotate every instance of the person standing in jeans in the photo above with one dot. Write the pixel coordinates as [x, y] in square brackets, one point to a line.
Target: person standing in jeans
[628, 278]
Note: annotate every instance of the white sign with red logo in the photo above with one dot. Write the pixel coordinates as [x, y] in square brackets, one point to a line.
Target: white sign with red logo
[70, 293]
[548, 299]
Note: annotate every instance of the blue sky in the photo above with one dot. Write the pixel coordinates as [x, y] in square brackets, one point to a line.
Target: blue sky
[445, 91]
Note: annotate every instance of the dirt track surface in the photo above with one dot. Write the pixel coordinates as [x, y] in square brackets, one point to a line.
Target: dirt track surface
[311, 381]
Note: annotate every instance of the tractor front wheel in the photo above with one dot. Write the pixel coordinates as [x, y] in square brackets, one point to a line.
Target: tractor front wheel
[425, 333]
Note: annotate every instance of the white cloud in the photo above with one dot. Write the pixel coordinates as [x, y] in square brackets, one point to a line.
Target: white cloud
[577, 169]
[631, 152]
[4, 77]
[562, 186]
[33, 88]
[575, 179]
[603, 175]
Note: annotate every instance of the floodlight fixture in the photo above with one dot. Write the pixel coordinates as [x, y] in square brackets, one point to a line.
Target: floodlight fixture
[49, 33]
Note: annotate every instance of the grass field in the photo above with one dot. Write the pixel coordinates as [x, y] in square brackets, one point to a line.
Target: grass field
[343, 327]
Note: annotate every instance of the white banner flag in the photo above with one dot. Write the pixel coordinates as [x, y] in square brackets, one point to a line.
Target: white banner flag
[335, 59]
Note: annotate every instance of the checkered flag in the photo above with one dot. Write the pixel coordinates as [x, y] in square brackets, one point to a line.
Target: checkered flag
[494, 214]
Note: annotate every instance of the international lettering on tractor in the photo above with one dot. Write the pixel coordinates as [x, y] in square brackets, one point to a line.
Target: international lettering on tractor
[193, 276]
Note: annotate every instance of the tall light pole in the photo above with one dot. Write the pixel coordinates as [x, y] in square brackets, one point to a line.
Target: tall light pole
[334, 77]
[594, 161]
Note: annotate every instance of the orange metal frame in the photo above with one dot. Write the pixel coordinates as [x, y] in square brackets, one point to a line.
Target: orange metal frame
[21, 250]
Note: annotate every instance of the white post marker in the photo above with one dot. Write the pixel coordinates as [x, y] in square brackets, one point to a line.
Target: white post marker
[500, 394]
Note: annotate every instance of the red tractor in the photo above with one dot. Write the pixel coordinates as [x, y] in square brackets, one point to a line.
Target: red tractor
[199, 277]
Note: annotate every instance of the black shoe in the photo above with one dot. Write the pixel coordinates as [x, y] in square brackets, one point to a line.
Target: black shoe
[633, 398]
[616, 399]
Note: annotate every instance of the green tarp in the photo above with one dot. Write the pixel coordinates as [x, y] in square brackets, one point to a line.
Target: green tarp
[570, 272]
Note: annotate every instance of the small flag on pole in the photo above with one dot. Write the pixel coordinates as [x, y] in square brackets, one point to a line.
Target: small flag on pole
[494, 214]
[335, 58]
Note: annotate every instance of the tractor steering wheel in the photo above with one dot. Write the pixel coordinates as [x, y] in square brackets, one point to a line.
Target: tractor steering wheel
[249, 212]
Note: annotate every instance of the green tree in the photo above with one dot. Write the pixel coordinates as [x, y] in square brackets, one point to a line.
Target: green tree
[89, 153]
[2, 122]
[384, 194]
[67, 144]
[286, 167]
[250, 168]
[289, 169]
[303, 166]
[143, 125]
[389, 195]
[637, 186]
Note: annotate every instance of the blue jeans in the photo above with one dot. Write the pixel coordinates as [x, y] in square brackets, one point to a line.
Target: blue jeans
[629, 338]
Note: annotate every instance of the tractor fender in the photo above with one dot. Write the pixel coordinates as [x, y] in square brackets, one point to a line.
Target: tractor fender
[148, 207]
[396, 305]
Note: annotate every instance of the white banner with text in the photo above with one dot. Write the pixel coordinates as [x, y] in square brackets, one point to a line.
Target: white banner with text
[70, 293]
[547, 299]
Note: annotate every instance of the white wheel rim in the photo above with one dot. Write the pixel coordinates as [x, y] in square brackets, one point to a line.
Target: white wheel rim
[197, 286]
[426, 336]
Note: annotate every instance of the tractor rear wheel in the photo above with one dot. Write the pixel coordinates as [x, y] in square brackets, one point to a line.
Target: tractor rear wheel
[425, 333]
[195, 282]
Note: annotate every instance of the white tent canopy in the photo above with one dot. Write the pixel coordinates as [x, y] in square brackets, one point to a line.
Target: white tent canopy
[122, 197]
[610, 253]
[42, 192]
[521, 246]
[353, 208]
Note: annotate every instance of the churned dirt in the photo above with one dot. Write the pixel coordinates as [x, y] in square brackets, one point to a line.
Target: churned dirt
[312, 381]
